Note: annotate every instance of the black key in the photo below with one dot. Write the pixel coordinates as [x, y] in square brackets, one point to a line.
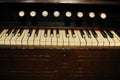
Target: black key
[1, 30]
[36, 32]
[103, 33]
[94, 33]
[8, 32]
[51, 32]
[109, 33]
[73, 33]
[57, 33]
[66, 33]
[29, 32]
[117, 32]
[14, 32]
[82, 33]
[20, 32]
[88, 33]
[45, 33]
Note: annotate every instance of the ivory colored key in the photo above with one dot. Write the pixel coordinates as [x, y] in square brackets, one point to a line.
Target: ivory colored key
[110, 39]
[105, 40]
[2, 37]
[25, 39]
[93, 39]
[65, 39]
[42, 39]
[31, 39]
[99, 39]
[116, 38]
[48, 39]
[13, 40]
[76, 39]
[7, 39]
[71, 39]
[37, 40]
[60, 39]
[88, 40]
[54, 39]
[81, 39]
[19, 39]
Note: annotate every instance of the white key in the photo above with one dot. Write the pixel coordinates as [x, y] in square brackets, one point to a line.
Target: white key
[106, 42]
[25, 39]
[48, 39]
[99, 39]
[8, 38]
[82, 40]
[54, 39]
[42, 39]
[88, 40]
[116, 38]
[77, 41]
[37, 40]
[65, 39]
[2, 37]
[94, 40]
[19, 39]
[71, 39]
[111, 41]
[14, 38]
[31, 39]
[60, 39]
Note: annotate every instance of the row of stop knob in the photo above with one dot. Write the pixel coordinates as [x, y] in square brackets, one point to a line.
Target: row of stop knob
[67, 14]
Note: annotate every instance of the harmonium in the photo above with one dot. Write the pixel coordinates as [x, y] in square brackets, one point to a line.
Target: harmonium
[59, 40]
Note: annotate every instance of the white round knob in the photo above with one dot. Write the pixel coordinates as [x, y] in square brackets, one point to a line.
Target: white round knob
[91, 14]
[68, 14]
[103, 15]
[80, 14]
[21, 13]
[44, 13]
[32, 13]
[56, 14]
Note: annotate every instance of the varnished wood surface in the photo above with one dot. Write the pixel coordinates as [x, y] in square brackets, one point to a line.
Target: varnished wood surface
[59, 64]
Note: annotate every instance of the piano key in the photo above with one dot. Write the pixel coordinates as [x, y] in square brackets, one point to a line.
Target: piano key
[43, 39]
[45, 33]
[54, 39]
[66, 33]
[29, 32]
[76, 40]
[71, 39]
[31, 40]
[82, 33]
[51, 32]
[2, 37]
[109, 33]
[116, 38]
[88, 40]
[60, 42]
[103, 33]
[81, 39]
[93, 39]
[25, 39]
[20, 32]
[19, 41]
[7, 39]
[94, 33]
[14, 32]
[88, 33]
[99, 39]
[73, 33]
[65, 38]
[117, 32]
[36, 32]
[106, 41]
[57, 32]
[48, 40]
[13, 39]
[1, 30]
[8, 32]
